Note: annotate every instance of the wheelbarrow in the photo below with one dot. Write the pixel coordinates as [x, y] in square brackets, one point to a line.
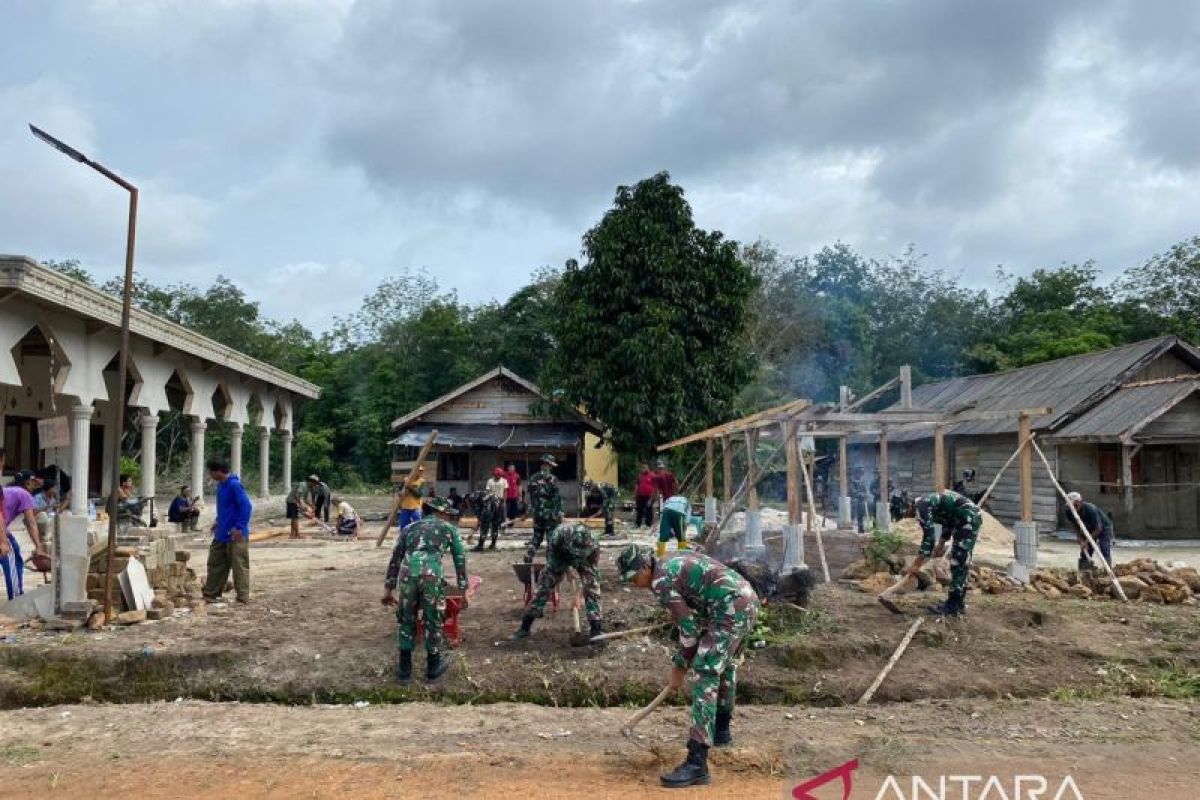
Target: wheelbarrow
[528, 575]
[456, 600]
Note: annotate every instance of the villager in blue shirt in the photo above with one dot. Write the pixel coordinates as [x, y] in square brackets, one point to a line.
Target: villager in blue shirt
[230, 548]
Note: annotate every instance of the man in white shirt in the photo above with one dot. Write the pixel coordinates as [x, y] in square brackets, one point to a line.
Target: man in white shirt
[491, 510]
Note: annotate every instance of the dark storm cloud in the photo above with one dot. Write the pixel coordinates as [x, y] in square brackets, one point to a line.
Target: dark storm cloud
[541, 100]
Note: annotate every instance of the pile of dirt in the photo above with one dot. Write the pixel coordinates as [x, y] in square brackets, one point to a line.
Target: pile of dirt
[994, 535]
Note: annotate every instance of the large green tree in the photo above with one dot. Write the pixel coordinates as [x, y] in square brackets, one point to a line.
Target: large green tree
[650, 327]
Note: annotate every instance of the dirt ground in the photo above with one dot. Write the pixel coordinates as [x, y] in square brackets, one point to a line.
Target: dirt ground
[1118, 749]
[1024, 683]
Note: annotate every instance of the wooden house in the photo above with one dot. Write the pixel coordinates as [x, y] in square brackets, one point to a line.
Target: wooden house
[1124, 432]
[493, 421]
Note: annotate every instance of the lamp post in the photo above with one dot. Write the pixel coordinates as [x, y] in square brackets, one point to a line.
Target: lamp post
[123, 358]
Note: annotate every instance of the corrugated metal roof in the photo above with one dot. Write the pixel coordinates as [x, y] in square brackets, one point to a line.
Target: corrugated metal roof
[514, 437]
[1068, 385]
[1126, 408]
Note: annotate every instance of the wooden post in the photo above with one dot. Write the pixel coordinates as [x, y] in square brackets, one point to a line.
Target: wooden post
[1127, 478]
[906, 386]
[708, 468]
[1025, 465]
[843, 468]
[793, 471]
[883, 465]
[939, 458]
[812, 513]
[727, 468]
[752, 469]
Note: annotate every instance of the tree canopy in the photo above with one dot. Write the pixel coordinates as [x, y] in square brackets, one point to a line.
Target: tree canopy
[664, 328]
[649, 329]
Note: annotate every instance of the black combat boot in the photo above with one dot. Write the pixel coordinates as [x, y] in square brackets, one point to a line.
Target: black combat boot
[495, 535]
[436, 666]
[721, 734]
[523, 631]
[596, 630]
[479, 547]
[955, 606]
[404, 668]
[693, 771]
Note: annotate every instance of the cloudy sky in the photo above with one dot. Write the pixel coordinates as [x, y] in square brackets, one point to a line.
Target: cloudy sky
[309, 149]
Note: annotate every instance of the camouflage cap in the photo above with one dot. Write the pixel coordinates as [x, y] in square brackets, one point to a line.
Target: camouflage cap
[440, 505]
[549, 459]
[632, 560]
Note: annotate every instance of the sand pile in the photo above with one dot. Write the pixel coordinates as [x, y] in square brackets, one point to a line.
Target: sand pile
[995, 540]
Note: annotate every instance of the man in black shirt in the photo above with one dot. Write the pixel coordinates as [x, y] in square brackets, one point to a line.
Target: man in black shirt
[1098, 524]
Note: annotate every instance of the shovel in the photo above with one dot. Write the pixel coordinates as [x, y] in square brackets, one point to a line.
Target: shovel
[578, 637]
[627, 728]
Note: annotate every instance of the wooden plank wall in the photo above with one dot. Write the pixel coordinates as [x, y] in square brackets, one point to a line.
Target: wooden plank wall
[910, 465]
[1167, 365]
[497, 402]
[1182, 421]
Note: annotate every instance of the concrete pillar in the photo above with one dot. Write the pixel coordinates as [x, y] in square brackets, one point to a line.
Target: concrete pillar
[754, 541]
[149, 423]
[845, 518]
[235, 449]
[710, 510]
[286, 436]
[1026, 547]
[264, 462]
[199, 426]
[883, 515]
[71, 560]
[81, 439]
[793, 544]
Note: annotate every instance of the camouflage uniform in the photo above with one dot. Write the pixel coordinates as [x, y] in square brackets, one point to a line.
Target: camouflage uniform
[715, 608]
[960, 519]
[570, 546]
[490, 510]
[416, 567]
[608, 500]
[545, 505]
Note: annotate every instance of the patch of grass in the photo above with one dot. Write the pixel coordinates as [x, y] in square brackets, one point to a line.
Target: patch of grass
[1166, 679]
[882, 546]
[782, 626]
[18, 755]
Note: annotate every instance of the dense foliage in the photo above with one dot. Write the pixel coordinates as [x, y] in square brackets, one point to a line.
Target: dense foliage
[665, 328]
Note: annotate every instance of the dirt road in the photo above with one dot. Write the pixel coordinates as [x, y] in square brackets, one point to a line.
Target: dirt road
[1114, 750]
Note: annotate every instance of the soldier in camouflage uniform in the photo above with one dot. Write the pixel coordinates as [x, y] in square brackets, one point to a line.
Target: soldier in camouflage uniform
[545, 505]
[960, 520]
[714, 608]
[608, 501]
[569, 546]
[416, 568]
[490, 511]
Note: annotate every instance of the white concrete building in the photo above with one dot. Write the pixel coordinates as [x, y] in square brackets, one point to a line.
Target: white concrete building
[58, 358]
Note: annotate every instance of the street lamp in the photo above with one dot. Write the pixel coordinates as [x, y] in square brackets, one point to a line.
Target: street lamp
[123, 359]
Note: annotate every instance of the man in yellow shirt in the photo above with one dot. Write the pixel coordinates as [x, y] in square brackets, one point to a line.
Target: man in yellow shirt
[411, 499]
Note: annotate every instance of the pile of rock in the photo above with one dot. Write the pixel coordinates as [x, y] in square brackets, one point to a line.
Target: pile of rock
[1143, 579]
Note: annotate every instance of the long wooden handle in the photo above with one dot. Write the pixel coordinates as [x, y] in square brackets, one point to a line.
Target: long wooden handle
[645, 712]
[404, 487]
[870, 692]
[618, 634]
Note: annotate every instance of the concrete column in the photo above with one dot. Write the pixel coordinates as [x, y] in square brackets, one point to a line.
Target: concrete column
[710, 510]
[1026, 546]
[793, 543]
[845, 517]
[264, 462]
[883, 515]
[149, 423]
[286, 436]
[235, 448]
[754, 540]
[81, 439]
[199, 427]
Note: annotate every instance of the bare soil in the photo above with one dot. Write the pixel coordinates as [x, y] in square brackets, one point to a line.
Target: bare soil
[1113, 750]
[316, 632]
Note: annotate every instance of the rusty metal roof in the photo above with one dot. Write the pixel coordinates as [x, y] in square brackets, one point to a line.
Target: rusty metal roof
[1072, 386]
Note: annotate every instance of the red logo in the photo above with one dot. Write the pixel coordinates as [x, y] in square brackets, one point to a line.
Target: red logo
[844, 772]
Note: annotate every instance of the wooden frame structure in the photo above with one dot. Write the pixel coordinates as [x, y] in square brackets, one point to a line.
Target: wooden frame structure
[787, 422]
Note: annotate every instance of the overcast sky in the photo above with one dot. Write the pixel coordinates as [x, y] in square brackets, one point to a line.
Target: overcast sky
[309, 149]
